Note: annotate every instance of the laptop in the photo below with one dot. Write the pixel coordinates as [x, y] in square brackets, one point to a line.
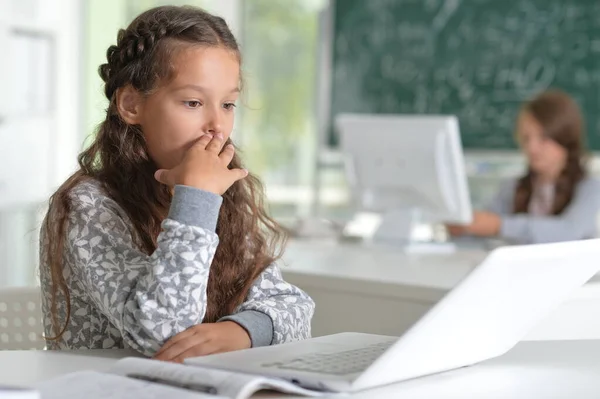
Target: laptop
[483, 317]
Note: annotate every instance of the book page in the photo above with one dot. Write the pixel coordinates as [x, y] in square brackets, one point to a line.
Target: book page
[274, 384]
[229, 384]
[94, 385]
[13, 392]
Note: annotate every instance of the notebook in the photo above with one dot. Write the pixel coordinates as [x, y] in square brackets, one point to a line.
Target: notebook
[146, 378]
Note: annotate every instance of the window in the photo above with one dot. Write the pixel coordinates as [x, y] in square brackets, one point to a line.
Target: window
[278, 122]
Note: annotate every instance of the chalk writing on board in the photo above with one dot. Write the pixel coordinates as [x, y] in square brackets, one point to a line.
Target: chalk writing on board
[477, 59]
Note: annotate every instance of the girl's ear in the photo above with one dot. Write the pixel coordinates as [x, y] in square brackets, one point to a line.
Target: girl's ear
[129, 105]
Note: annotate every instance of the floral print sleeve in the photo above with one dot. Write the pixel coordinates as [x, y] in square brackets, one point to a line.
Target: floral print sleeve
[121, 297]
[290, 308]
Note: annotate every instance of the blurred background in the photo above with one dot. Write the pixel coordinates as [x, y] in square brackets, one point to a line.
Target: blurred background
[51, 95]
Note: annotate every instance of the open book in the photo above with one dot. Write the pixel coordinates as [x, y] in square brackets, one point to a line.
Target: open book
[137, 377]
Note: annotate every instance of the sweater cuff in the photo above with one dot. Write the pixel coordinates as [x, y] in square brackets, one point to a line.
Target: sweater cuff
[194, 207]
[258, 325]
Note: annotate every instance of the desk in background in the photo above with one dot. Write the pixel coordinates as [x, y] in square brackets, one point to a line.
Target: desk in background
[380, 290]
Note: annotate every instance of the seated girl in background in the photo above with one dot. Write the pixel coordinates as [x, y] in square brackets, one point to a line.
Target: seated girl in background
[555, 200]
[160, 241]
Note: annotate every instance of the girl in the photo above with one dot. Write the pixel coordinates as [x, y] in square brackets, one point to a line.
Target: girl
[555, 200]
[160, 241]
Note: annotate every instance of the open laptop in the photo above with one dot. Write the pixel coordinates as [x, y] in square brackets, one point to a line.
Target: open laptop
[483, 317]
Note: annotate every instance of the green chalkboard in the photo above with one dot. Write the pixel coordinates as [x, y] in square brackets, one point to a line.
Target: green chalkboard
[477, 59]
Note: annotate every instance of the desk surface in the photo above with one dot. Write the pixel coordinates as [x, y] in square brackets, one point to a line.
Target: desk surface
[377, 269]
[550, 369]
[381, 263]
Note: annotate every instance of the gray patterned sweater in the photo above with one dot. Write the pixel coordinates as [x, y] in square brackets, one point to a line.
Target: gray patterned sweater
[121, 297]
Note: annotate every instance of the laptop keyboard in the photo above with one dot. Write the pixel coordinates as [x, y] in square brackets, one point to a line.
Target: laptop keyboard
[337, 363]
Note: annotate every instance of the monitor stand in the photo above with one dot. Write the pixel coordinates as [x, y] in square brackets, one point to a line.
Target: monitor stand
[410, 230]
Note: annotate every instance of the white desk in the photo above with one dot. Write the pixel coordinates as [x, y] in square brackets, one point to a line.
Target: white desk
[380, 290]
[550, 369]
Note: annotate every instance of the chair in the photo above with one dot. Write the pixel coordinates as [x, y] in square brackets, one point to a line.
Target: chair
[21, 318]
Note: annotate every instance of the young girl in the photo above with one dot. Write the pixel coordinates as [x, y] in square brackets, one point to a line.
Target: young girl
[555, 200]
[160, 241]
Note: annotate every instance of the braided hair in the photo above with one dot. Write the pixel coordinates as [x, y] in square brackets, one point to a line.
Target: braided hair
[118, 158]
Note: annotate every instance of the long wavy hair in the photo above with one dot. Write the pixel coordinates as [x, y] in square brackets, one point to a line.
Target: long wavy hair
[562, 122]
[118, 158]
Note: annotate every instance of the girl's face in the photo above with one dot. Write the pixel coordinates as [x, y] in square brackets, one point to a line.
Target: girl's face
[199, 99]
[545, 156]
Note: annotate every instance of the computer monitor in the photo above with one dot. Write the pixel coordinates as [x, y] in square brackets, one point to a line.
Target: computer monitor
[409, 168]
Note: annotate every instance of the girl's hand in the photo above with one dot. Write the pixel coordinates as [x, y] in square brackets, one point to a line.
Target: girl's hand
[485, 224]
[204, 339]
[204, 166]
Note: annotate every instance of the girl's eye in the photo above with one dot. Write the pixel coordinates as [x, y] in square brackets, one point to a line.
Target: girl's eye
[229, 106]
[192, 104]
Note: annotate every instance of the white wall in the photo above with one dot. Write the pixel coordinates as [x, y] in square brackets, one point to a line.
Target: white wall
[69, 95]
[49, 155]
